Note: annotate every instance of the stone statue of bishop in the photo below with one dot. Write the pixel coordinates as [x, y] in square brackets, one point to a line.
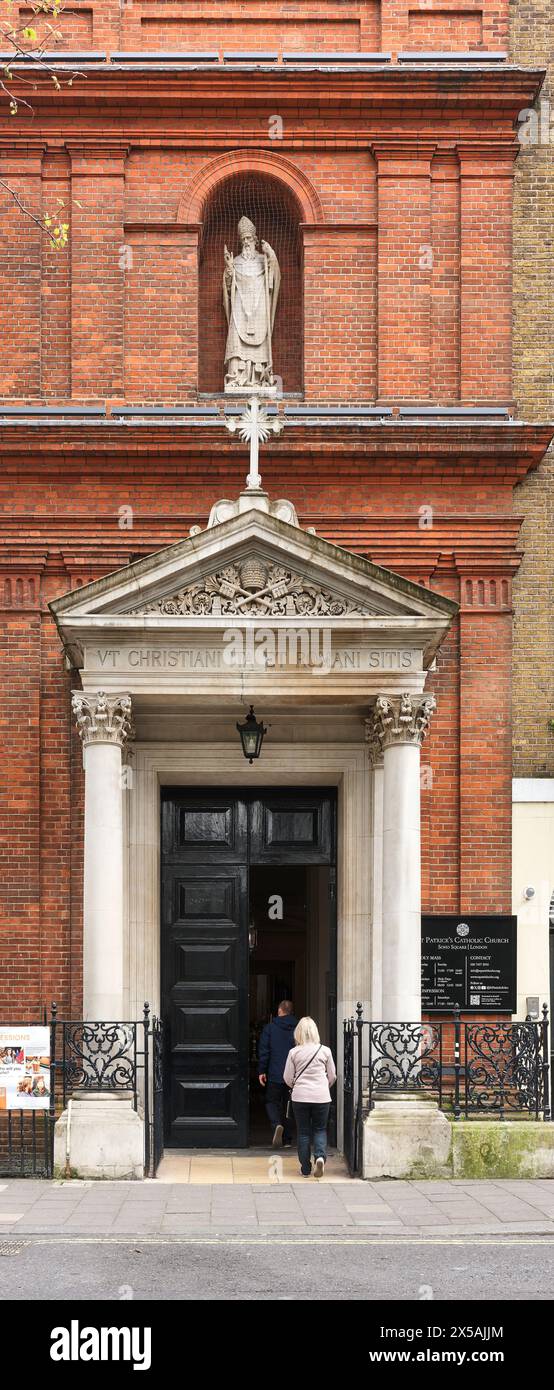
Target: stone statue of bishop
[251, 283]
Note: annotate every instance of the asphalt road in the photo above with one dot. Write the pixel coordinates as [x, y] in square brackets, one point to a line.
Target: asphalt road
[279, 1267]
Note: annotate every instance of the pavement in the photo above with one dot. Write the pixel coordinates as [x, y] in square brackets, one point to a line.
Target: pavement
[261, 1209]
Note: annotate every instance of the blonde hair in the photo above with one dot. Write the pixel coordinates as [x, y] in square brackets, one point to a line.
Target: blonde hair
[306, 1032]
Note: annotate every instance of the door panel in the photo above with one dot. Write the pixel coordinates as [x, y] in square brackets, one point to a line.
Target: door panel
[205, 993]
[291, 828]
[204, 827]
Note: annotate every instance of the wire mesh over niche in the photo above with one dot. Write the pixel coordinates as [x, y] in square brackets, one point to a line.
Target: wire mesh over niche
[276, 216]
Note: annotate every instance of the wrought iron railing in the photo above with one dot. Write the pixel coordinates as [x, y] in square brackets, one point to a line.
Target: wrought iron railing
[470, 1069]
[26, 1143]
[404, 1057]
[101, 1056]
[88, 1057]
[504, 1069]
[351, 1111]
[157, 1093]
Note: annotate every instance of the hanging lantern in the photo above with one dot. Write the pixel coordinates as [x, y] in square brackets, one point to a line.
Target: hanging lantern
[251, 735]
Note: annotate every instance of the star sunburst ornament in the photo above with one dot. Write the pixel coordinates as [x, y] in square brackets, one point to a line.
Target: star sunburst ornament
[254, 421]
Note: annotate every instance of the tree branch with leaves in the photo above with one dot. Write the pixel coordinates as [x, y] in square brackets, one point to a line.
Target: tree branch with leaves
[31, 56]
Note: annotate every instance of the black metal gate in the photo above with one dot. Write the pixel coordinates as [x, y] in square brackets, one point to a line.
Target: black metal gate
[90, 1057]
[26, 1144]
[353, 1113]
[157, 1094]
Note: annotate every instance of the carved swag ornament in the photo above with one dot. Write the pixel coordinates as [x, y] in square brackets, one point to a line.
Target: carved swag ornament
[255, 589]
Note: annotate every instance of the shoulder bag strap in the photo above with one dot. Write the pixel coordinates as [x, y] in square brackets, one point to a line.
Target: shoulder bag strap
[307, 1064]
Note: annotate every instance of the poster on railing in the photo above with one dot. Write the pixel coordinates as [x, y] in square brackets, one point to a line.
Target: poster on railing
[24, 1068]
[470, 961]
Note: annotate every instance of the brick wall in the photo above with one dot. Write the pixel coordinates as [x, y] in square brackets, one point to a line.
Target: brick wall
[76, 26]
[407, 273]
[369, 25]
[340, 314]
[21, 279]
[532, 39]
[448, 25]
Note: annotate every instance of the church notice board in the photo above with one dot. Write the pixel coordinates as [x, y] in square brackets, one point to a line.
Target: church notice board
[470, 961]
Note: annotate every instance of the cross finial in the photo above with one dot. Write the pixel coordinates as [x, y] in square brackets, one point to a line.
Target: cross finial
[255, 427]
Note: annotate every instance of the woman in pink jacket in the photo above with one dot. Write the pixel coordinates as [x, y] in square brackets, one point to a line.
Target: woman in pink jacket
[309, 1072]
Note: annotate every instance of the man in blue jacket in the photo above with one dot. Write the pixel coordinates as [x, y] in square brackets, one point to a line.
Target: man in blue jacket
[275, 1044]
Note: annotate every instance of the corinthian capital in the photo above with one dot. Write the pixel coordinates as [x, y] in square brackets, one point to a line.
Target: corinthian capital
[374, 748]
[400, 719]
[102, 718]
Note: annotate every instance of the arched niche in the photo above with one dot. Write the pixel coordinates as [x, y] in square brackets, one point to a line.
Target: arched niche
[274, 209]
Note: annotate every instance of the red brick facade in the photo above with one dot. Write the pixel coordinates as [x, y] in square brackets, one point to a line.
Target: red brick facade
[392, 188]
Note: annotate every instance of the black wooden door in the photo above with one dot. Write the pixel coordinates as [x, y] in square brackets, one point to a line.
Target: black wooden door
[205, 969]
[209, 839]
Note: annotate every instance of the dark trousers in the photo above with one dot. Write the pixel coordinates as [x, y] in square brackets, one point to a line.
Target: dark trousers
[277, 1097]
[311, 1129]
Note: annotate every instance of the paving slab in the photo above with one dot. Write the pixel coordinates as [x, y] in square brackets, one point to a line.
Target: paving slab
[432, 1210]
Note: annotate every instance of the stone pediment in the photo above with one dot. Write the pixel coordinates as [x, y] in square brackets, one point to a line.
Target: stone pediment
[253, 565]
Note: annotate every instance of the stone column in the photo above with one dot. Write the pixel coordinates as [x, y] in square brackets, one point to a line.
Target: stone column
[399, 725]
[377, 893]
[376, 762]
[100, 1134]
[104, 724]
[404, 1133]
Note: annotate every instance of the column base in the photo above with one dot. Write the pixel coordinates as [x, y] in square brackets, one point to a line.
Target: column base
[99, 1136]
[406, 1139]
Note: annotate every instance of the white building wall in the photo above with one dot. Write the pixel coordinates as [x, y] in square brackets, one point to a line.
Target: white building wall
[533, 867]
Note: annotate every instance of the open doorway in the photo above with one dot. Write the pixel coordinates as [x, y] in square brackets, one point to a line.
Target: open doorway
[290, 956]
[247, 917]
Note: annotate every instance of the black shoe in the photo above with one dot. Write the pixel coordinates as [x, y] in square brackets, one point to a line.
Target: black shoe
[306, 1172]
